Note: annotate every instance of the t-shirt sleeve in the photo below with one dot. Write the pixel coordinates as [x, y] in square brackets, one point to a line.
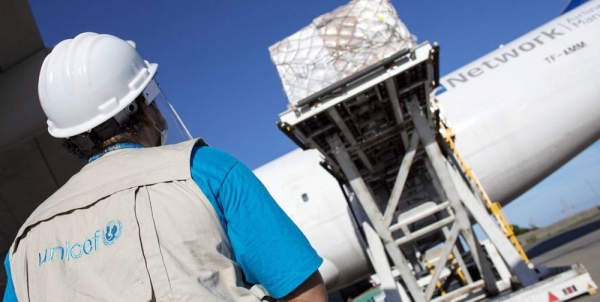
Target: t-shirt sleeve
[268, 246]
[9, 293]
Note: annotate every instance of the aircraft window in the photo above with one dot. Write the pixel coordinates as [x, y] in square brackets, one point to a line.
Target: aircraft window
[305, 197]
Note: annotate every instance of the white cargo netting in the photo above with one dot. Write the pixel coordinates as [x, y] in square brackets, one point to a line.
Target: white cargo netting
[337, 45]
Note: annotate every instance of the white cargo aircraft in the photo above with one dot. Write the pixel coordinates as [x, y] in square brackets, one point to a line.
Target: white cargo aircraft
[519, 113]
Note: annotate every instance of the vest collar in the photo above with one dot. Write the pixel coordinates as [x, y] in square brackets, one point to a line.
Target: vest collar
[116, 146]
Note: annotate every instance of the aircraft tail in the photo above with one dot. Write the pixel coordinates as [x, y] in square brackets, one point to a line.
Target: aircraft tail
[572, 4]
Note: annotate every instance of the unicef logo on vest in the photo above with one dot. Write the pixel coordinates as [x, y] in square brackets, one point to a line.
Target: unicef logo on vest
[72, 250]
[113, 231]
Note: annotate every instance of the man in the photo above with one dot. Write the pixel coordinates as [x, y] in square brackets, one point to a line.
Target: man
[142, 221]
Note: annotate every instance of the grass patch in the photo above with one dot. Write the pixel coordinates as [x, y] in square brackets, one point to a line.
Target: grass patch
[542, 236]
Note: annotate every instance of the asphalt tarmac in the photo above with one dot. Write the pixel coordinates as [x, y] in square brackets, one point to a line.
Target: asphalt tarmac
[578, 244]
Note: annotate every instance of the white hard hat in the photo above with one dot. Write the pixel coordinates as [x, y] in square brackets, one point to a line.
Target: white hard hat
[89, 79]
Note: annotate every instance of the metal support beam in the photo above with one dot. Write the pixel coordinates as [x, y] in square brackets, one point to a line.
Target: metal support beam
[461, 291]
[401, 180]
[438, 163]
[418, 216]
[448, 245]
[381, 265]
[407, 276]
[441, 172]
[393, 93]
[348, 134]
[435, 181]
[368, 202]
[425, 231]
[459, 259]
[490, 227]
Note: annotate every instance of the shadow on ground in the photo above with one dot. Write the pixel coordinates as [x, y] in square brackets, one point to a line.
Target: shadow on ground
[563, 238]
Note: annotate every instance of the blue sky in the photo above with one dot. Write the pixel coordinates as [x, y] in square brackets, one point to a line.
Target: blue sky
[215, 66]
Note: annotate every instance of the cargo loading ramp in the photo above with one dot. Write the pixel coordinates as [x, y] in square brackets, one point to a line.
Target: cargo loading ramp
[378, 130]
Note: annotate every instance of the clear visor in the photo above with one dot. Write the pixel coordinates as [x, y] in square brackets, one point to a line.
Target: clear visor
[172, 129]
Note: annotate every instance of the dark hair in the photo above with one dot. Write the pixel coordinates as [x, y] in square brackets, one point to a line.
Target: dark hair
[128, 131]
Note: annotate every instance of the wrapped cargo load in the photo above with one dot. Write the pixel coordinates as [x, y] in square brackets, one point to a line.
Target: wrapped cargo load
[337, 45]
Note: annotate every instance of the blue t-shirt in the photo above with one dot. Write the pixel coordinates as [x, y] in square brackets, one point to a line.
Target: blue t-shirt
[267, 245]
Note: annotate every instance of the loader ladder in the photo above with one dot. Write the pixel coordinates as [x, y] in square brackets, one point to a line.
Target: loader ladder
[495, 208]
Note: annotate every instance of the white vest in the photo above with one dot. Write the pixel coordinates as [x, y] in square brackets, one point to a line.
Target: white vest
[130, 226]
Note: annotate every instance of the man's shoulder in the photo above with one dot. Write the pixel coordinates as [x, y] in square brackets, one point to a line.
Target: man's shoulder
[204, 157]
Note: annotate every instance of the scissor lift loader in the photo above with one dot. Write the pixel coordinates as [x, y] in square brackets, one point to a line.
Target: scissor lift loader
[383, 137]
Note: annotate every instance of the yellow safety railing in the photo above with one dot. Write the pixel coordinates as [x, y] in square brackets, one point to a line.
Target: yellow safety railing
[493, 207]
[457, 270]
[438, 284]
